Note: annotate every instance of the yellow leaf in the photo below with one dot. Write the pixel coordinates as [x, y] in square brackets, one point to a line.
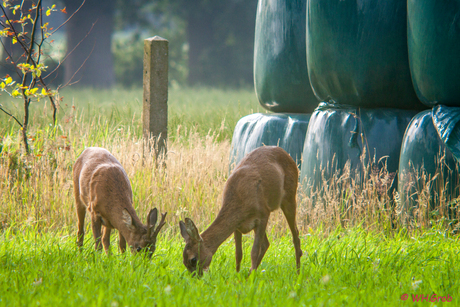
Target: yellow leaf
[34, 90]
[48, 12]
[44, 93]
[14, 40]
[15, 93]
[9, 80]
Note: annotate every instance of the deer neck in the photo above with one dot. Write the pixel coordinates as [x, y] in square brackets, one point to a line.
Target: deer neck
[124, 230]
[218, 232]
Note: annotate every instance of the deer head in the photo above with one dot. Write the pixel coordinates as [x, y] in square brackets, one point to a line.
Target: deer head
[197, 257]
[144, 237]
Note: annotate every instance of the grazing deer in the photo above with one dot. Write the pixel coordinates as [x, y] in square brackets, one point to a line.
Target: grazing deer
[102, 187]
[265, 180]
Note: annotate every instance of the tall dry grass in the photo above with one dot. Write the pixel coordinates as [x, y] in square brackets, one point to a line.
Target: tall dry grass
[367, 195]
[37, 190]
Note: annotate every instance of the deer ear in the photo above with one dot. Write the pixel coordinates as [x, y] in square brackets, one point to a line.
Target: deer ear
[128, 220]
[183, 231]
[152, 217]
[192, 230]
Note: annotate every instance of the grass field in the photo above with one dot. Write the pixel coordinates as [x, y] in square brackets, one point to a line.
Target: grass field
[362, 262]
[347, 267]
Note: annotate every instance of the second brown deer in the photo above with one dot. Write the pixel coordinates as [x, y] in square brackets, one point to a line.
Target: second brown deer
[265, 180]
[102, 187]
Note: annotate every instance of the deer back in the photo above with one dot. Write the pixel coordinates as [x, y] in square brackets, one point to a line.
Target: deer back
[267, 173]
[104, 186]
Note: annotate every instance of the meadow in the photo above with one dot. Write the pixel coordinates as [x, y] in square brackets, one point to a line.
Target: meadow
[361, 257]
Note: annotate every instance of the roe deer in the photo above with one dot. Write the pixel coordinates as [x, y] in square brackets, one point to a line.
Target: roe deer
[102, 187]
[265, 180]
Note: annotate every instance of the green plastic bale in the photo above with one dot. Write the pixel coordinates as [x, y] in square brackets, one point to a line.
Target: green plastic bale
[351, 139]
[428, 172]
[284, 130]
[434, 50]
[446, 120]
[280, 64]
[357, 53]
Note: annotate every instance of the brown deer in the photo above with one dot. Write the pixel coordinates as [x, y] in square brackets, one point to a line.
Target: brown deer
[265, 180]
[102, 187]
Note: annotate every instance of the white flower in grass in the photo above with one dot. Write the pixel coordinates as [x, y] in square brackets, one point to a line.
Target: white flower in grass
[415, 284]
[325, 279]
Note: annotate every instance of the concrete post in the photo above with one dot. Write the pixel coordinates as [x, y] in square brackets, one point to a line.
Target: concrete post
[155, 101]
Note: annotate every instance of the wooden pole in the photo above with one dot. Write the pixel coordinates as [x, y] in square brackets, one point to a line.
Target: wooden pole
[155, 101]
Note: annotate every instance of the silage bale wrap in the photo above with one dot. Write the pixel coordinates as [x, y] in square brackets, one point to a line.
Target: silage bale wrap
[428, 172]
[434, 50]
[357, 53]
[445, 120]
[255, 130]
[280, 65]
[341, 135]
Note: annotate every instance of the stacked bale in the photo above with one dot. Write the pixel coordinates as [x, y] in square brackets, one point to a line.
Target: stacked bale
[255, 130]
[434, 46]
[339, 134]
[357, 64]
[428, 173]
[280, 80]
[426, 154]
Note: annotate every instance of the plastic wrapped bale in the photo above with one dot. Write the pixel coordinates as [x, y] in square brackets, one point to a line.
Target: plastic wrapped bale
[445, 120]
[428, 172]
[284, 130]
[280, 64]
[434, 49]
[357, 53]
[349, 138]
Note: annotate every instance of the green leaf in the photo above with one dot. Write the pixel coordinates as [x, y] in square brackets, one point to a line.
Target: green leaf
[15, 93]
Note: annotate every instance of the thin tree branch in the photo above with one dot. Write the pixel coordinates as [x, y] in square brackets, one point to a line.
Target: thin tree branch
[24, 77]
[71, 51]
[81, 66]
[10, 115]
[69, 17]
[16, 35]
[10, 55]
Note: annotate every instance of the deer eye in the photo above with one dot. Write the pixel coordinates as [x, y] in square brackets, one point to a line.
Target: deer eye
[193, 262]
[139, 249]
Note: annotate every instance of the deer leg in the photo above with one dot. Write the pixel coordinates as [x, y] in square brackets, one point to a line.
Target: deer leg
[263, 248]
[96, 224]
[259, 233]
[106, 238]
[289, 210]
[81, 213]
[238, 249]
[122, 242]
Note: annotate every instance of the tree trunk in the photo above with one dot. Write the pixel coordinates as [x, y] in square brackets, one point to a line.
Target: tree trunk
[200, 41]
[89, 42]
[220, 36]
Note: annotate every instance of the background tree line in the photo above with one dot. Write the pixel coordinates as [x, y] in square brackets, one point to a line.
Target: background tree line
[211, 42]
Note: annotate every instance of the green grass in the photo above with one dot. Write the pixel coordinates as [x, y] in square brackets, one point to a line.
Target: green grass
[204, 110]
[348, 267]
